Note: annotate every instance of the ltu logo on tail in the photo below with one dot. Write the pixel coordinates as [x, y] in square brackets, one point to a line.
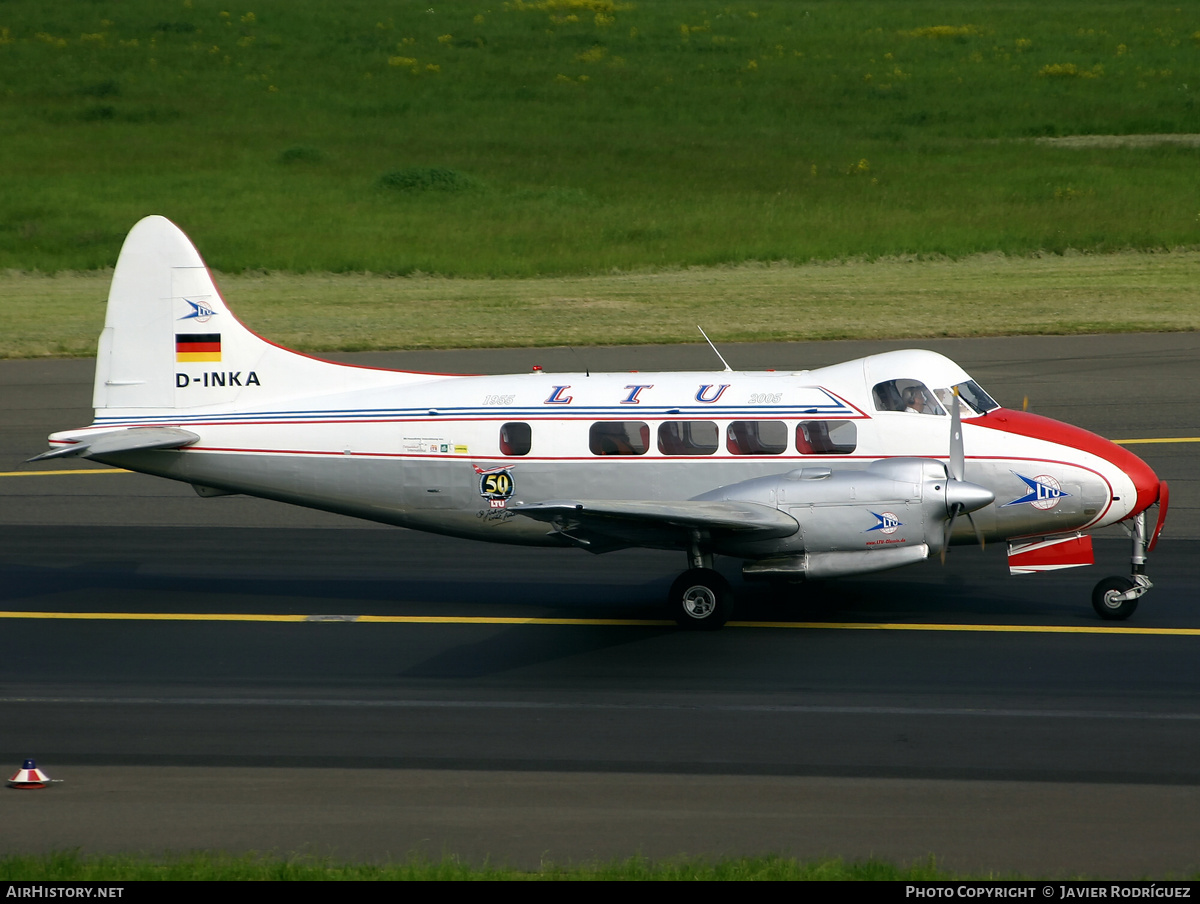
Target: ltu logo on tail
[201, 312]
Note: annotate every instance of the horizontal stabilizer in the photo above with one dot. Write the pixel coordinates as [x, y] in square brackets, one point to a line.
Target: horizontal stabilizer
[130, 439]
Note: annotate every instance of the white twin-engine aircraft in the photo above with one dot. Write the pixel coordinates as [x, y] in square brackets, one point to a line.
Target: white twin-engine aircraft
[845, 470]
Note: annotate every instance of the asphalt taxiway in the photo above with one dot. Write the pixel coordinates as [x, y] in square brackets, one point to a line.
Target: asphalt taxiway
[237, 674]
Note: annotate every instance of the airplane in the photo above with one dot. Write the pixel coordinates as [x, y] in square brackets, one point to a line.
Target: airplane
[845, 470]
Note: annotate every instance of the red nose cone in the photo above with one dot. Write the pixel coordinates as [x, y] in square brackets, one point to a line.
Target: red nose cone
[1038, 427]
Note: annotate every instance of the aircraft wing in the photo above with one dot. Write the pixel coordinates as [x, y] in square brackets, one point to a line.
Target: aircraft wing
[127, 439]
[601, 526]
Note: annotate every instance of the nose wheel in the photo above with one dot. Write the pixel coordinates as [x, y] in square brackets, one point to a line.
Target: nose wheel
[1115, 598]
[1111, 599]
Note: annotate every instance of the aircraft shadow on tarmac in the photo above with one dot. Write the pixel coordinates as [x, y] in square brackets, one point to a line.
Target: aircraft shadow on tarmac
[332, 573]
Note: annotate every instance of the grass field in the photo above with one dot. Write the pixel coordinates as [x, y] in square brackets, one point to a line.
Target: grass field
[978, 296]
[598, 172]
[73, 866]
[68, 866]
[560, 137]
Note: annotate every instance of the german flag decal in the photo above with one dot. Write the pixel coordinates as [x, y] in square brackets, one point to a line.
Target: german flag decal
[198, 347]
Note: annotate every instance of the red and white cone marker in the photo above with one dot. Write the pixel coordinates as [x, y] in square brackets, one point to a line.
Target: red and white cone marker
[29, 776]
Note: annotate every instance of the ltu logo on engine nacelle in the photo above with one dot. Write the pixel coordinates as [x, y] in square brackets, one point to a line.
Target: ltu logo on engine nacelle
[887, 523]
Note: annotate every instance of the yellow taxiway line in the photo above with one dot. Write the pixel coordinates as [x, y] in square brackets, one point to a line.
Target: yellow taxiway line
[57, 473]
[610, 622]
[1165, 439]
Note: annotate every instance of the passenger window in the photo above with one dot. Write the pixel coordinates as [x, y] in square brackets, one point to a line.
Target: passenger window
[515, 439]
[619, 438]
[826, 437]
[756, 438]
[905, 395]
[688, 438]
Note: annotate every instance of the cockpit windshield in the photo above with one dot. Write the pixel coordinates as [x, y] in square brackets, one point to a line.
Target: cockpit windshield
[971, 399]
[913, 397]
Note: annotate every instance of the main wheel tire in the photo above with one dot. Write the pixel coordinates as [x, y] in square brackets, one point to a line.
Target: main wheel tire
[701, 599]
[1105, 602]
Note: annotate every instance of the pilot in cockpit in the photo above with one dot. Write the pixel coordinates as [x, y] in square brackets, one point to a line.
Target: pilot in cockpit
[911, 396]
[917, 401]
[908, 396]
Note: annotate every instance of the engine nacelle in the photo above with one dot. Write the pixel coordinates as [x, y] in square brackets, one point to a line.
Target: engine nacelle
[889, 514]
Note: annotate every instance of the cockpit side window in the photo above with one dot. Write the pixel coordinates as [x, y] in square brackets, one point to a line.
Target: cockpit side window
[905, 395]
[887, 397]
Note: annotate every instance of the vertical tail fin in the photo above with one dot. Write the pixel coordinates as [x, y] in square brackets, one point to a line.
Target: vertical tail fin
[170, 341]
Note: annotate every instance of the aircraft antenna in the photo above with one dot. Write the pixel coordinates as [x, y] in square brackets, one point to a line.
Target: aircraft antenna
[587, 369]
[728, 369]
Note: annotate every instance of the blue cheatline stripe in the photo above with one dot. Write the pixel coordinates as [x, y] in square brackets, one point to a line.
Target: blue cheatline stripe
[450, 413]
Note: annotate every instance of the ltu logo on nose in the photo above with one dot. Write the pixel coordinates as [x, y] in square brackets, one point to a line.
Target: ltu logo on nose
[1043, 492]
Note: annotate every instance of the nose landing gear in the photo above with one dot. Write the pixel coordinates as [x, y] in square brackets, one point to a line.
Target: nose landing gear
[1115, 598]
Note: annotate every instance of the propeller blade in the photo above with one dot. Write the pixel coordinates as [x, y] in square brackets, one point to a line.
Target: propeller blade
[954, 510]
[956, 466]
[978, 532]
[962, 498]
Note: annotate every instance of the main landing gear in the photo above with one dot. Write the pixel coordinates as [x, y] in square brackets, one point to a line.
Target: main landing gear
[700, 599]
[1116, 597]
